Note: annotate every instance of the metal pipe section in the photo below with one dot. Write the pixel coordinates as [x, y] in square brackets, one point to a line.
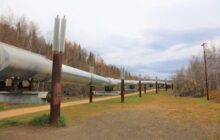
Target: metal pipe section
[17, 62]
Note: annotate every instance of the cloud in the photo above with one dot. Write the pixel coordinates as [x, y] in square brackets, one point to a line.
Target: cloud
[165, 46]
[147, 36]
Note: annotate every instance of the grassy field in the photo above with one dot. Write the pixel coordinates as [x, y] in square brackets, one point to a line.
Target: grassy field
[191, 108]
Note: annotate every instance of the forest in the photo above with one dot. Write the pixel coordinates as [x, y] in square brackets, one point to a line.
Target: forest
[25, 34]
[190, 81]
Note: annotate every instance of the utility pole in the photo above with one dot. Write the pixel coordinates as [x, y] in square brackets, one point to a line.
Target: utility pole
[206, 77]
[56, 89]
[122, 74]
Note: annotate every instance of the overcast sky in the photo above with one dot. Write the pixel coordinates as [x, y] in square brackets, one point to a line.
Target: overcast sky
[153, 37]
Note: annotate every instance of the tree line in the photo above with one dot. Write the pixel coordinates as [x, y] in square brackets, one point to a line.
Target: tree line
[25, 34]
[190, 81]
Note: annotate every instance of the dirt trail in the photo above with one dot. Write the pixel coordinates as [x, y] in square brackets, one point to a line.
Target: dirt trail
[149, 121]
[27, 110]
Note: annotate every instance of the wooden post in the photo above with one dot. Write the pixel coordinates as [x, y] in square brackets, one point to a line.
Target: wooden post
[166, 86]
[56, 89]
[122, 91]
[206, 75]
[158, 87]
[2, 85]
[145, 88]
[139, 85]
[139, 88]
[90, 93]
[122, 75]
[58, 49]
[91, 69]
[15, 84]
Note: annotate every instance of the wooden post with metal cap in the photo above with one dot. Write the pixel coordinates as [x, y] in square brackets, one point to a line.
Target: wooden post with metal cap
[56, 89]
[166, 84]
[122, 75]
[156, 85]
[139, 85]
[91, 69]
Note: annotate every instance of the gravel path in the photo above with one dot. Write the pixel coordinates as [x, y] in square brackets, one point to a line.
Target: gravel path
[139, 123]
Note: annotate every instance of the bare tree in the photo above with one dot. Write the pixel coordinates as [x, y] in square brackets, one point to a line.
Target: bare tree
[191, 80]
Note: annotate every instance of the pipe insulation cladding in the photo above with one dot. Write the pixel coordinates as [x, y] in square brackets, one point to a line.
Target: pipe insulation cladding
[17, 62]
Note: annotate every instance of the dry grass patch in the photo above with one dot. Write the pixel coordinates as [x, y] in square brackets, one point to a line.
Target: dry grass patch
[180, 108]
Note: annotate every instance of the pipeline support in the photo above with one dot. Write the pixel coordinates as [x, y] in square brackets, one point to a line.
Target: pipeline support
[122, 90]
[90, 93]
[139, 88]
[56, 88]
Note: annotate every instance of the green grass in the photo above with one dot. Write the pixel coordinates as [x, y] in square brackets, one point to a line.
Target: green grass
[190, 107]
[40, 120]
[62, 121]
[9, 122]
[45, 120]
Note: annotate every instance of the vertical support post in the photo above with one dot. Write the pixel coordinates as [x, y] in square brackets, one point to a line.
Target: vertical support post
[206, 77]
[122, 91]
[43, 86]
[218, 81]
[58, 49]
[90, 93]
[139, 85]
[31, 86]
[156, 86]
[15, 84]
[38, 85]
[166, 86]
[139, 88]
[122, 74]
[145, 88]
[91, 69]
[56, 88]
[2, 85]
